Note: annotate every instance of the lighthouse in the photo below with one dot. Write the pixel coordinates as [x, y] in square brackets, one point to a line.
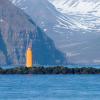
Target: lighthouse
[29, 58]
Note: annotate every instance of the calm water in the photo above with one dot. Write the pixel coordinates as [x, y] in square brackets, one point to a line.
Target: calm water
[49, 87]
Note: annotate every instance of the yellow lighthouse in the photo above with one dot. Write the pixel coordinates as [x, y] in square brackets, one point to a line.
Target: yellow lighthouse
[29, 58]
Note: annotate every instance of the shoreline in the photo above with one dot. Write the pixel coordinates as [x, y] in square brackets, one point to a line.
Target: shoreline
[50, 70]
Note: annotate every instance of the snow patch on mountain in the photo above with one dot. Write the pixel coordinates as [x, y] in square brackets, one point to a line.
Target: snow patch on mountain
[19, 3]
[85, 14]
[1, 20]
[77, 6]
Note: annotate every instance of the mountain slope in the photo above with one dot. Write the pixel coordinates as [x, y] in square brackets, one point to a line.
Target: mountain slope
[85, 16]
[75, 31]
[86, 13]
[17, 32]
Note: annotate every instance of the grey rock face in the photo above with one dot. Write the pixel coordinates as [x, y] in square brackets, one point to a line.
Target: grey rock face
[17, 32]
[75, 31]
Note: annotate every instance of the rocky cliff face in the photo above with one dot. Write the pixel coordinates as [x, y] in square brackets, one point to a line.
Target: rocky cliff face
[17, 32]
[73, 25]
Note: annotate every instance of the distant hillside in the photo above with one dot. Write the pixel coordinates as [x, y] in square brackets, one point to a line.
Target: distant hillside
[73, 25]
[17, 32]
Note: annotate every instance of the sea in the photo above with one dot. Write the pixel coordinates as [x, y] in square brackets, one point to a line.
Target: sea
[49, 87]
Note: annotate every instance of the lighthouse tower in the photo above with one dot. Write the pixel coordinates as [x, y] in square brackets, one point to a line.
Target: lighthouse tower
[29, 58]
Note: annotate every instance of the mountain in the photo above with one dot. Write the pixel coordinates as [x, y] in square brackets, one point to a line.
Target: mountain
[73, 25]
[85, 13]
[18, 32]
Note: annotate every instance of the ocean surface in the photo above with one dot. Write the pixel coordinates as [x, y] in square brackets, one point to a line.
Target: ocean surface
[49, 87]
